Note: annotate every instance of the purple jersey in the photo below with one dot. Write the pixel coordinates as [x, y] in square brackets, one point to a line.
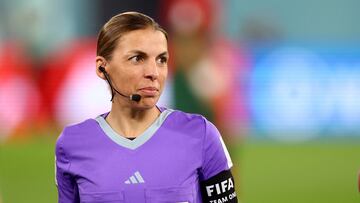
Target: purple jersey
[164, 164]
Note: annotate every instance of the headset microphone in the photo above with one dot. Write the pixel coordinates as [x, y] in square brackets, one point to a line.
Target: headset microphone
[132, 97]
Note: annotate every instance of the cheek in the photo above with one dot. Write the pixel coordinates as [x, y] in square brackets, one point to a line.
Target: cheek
[129, 76]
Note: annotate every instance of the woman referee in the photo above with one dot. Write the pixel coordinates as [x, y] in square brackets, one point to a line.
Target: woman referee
[139, 152]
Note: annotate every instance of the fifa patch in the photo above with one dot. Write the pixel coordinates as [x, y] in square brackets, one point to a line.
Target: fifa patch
[219, 188]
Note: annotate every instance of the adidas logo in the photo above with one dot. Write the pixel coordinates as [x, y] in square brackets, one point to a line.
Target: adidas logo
[135, 179]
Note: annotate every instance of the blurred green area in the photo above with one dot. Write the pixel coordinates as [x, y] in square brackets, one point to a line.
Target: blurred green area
[27, 171]
[321, 171]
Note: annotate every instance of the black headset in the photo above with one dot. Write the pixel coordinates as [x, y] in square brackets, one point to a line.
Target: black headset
[132, 97]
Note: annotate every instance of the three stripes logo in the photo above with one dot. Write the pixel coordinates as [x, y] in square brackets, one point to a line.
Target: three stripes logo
[135, 179]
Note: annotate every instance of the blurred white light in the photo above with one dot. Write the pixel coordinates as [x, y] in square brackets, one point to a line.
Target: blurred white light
[18, 98]
[166, 99]
[84, 94]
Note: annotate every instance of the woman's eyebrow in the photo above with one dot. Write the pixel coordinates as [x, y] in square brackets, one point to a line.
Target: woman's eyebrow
[165, 53]
[137, 52]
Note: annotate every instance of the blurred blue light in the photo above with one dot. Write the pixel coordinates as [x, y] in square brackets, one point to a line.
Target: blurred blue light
[298, 90]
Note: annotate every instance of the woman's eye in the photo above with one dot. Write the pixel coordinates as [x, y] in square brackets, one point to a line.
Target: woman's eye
[136, 58]
[162, 60]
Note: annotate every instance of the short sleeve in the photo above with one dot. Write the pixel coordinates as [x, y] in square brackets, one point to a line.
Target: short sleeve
[216, 157]
[67, 187]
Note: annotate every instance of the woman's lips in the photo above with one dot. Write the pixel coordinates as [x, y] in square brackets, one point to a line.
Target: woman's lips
[149, 91]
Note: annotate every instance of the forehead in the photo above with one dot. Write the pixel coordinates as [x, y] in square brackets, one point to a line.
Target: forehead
[147, 40]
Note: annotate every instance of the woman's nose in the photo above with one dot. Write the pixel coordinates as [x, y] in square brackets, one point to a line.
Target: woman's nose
[152, 71]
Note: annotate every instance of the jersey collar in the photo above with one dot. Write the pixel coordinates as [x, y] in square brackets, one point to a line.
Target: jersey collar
[139, 140]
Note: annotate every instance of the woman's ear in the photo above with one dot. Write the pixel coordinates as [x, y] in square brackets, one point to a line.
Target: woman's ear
[100, 62]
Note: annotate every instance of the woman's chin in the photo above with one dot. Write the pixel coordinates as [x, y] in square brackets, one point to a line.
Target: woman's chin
[147, 103]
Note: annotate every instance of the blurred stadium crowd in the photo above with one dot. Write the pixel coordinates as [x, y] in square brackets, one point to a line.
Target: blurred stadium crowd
[248, 66]
[279, 69]
[47, 67]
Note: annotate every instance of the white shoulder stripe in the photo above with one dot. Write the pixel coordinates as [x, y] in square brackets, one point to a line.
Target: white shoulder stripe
[230, 164]
[56, 182]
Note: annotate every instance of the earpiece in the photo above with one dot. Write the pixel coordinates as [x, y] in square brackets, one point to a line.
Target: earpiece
[102, 69]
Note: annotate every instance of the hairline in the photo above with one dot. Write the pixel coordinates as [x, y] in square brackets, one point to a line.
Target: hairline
[118, 38]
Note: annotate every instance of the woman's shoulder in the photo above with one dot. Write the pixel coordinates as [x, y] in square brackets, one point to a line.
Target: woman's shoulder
[186, 116]
[76, 131]
[82, 126]
[189, 121]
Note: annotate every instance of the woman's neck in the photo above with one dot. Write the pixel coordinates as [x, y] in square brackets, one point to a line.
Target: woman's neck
[130, 122]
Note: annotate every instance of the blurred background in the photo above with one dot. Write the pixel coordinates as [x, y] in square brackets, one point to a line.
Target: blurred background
[279, 78]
